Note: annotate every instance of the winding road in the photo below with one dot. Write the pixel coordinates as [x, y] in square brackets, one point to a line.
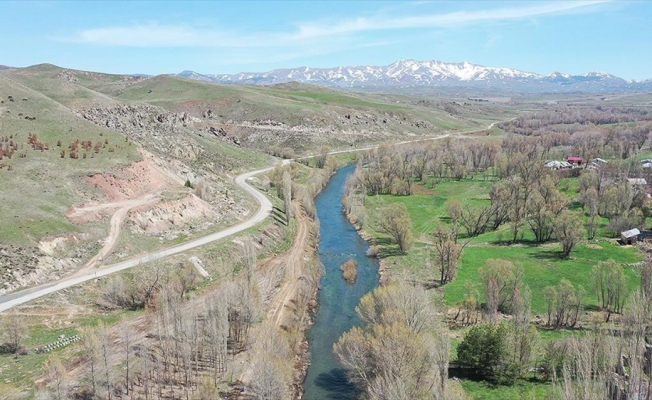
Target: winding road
[17, 298]
[85, 274]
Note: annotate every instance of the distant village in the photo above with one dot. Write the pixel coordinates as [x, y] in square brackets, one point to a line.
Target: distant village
[628, 237]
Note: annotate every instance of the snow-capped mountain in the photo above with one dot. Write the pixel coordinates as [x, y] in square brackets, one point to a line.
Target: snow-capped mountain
[431, 73]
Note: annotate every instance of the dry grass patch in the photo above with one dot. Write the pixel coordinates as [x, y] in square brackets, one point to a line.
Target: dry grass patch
[350, 271]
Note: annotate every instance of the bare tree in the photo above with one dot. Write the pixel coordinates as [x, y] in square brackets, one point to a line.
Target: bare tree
[395, 221]
[13, 332]
[92, 351]
[126, 342]
[610, 285]
[105, 349]
[287, 195]
[395, 355]
[448, 254]
[454, 209]
[568, 230]
[322, 158]
[56, 374]
[590, 201]
[502, 280]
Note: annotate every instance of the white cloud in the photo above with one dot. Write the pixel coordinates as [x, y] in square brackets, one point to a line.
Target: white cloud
[310, 33]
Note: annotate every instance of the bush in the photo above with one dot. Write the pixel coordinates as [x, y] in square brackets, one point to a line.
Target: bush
[350, 271]
[485, 352]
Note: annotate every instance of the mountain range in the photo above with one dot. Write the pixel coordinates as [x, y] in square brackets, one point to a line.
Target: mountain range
[431, 73]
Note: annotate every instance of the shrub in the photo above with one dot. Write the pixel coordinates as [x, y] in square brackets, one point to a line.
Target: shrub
[350, 271]
[485, 352]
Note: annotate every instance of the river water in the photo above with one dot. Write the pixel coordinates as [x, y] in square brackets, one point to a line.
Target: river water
[339, 241]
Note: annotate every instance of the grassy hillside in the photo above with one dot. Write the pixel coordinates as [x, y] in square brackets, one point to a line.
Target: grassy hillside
[41, 184]
[297, 104]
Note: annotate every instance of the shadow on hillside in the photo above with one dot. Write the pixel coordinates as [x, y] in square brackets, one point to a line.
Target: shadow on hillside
[279, 215]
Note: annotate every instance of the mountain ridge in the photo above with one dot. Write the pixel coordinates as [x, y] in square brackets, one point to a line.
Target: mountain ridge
[430, 73]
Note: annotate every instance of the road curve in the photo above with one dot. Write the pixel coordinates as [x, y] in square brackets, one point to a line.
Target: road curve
[14, 299]
[17, 298]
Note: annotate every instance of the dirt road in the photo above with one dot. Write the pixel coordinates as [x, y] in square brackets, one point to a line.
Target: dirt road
[294, 260]
[13, 299]
[23, 296]
[115, 224]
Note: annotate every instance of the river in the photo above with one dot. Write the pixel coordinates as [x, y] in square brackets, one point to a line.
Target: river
[339, 241]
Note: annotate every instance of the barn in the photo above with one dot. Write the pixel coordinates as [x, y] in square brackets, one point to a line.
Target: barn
[575, 160]
[630, 236]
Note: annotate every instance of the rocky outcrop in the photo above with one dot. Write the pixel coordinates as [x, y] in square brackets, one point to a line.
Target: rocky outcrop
[21, 267]
[134, 119]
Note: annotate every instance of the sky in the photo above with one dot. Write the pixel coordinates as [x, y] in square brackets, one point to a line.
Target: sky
[572, 37]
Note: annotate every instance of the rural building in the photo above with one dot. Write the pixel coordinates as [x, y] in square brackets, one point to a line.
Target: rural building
[558, 165]
[575, 160]
[599, 161]
[637, 181]
[630, 236]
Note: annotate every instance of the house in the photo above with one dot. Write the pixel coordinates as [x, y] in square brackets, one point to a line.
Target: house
[637, 181]
[630, 236]
[558, 165]
[575, 160]
[598, 161]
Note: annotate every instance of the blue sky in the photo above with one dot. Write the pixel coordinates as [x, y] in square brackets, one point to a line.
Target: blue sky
[231, 37]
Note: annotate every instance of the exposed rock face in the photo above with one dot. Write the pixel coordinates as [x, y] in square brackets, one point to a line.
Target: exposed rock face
[138, 119]
[67, 75]
[171, 132]
[170, 217]
[20, 267]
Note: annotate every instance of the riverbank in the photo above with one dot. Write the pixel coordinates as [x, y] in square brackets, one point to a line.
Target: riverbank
[339, 242]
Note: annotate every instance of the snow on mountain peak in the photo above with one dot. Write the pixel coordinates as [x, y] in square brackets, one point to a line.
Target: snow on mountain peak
[409, 72]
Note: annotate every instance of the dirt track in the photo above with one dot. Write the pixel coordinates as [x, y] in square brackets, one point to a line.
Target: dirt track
[117, 219]
[279, 308]
[13, 299]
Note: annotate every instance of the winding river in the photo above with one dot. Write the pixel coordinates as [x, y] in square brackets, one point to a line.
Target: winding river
[339, 241]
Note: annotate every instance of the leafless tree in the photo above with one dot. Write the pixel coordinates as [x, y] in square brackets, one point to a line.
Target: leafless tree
[502, 280]
[287, 195]
[395, 355]
[13, 331]
[447, 254]
[396, 222]
[56, 374]
[92, 353]
[568, 230]
[322, 158]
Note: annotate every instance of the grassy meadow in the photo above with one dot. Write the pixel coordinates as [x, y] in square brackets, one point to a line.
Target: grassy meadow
[542, 264]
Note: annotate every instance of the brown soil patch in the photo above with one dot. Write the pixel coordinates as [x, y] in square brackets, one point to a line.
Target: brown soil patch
[204, 104]
[167, 215]
[135, 180]
[594, 246]
[282, 305]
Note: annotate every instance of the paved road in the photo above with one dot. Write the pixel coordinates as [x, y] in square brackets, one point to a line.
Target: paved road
[23, 296]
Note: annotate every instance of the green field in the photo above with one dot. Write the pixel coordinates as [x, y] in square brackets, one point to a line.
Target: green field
[541, 263]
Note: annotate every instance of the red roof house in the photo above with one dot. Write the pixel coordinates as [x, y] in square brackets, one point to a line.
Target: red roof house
[575, 160]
